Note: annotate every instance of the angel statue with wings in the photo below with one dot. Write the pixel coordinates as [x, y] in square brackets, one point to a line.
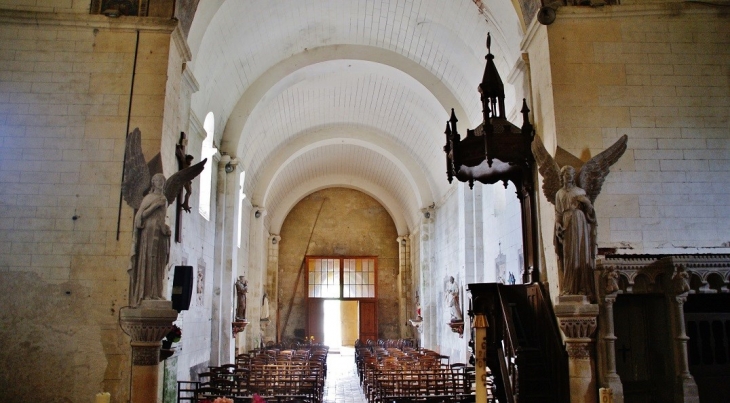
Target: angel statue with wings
[573, 192]
[147, 191]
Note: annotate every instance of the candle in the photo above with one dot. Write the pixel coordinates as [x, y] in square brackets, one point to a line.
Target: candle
[102, 397]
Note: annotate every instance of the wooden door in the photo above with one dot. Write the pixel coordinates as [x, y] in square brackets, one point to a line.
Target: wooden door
[643, 350]
[368, 320]
[350, 322]
[315, 319]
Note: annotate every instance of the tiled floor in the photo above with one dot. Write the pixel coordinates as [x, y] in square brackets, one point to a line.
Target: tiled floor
[342, 384]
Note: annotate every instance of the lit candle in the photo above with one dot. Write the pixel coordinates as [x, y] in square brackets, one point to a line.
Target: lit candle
[102, 397]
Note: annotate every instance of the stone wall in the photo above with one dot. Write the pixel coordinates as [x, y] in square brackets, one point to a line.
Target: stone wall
[65, 84]
[350, 224]
[658, 73]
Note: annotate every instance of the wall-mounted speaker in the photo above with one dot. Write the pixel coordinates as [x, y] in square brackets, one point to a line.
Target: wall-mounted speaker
[182, 288]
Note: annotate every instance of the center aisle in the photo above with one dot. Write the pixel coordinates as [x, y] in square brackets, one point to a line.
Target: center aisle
[342, 384]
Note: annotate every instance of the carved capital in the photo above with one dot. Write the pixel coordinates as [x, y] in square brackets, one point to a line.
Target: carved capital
[576, 317]
[146, 325]
[578, 327]
[579, 350]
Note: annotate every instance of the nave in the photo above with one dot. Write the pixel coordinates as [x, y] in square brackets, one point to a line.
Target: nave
[342, 384]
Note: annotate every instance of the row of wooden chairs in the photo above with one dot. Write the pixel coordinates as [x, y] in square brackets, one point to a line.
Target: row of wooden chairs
[290, 375]
[388, 373]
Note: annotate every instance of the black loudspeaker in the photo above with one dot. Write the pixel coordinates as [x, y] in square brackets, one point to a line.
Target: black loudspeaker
[182, 288]
[546, 15]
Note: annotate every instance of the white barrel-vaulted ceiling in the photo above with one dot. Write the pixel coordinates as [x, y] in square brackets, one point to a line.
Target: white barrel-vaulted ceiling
[351, 93]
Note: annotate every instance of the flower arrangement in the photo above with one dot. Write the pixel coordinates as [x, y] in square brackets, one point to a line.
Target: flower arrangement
[258, 399]
[174, 335]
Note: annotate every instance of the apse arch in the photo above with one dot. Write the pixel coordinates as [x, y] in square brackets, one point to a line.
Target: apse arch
[279, 213]
[362, 136]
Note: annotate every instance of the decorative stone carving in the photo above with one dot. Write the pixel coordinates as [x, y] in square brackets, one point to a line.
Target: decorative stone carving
[573, 192]
[238, 327]
[680, 283]
[610, 279]
[579, 350]
[457, 327]
[578, 327]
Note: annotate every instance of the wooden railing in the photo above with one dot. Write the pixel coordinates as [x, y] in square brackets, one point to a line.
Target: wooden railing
[551, 344]
[527, 355]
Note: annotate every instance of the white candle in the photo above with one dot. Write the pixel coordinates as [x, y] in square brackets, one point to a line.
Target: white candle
[102, 397]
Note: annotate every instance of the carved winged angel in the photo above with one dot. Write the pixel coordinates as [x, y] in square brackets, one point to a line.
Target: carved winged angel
[147, 191]
[573, 192]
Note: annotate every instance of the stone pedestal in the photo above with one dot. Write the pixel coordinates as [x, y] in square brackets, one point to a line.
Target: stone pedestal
[147, 325]
[577, 318]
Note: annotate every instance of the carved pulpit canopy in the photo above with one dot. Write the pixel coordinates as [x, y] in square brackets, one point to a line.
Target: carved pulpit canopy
[496, 150]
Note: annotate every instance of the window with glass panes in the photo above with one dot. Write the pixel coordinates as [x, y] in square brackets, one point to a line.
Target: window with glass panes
[348, 277]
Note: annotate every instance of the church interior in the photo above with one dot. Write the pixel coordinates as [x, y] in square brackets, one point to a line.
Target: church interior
[538, 189]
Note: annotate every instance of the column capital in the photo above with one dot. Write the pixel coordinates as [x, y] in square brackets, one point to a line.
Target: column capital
[146, 325]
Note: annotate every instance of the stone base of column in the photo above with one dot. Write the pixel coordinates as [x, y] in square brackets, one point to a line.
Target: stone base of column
[686, 390]
[617, 388]
[577, 319]
[147, 324]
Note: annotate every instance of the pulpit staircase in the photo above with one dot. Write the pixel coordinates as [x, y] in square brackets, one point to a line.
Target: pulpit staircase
[524, 349]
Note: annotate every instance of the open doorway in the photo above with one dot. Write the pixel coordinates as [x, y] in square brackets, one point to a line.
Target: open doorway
[340, 323]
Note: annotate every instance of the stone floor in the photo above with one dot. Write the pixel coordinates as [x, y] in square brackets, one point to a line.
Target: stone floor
[342, 384]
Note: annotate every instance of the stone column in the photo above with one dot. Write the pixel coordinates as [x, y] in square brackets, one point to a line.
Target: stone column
[272, 287]
[146, 325]
[404, 284]
[429, 290]
[611, 380]
[258, 253]
[685, 386]
[577, 319]
[223, 292]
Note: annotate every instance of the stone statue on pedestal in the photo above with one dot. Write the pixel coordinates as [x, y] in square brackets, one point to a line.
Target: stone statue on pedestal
[573, 192]
[453, 301]
[241, 290]
[146, 190]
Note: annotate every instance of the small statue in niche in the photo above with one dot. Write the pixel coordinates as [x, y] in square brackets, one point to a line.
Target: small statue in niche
[453, 301]
[241, 290]
[418, 307]
[265, 306]
[573, 193]
[151, 234]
